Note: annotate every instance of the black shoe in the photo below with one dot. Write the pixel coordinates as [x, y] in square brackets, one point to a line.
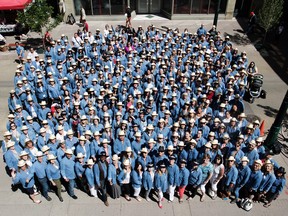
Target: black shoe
[233, 201]
[48, 198]
[61, 199]
[14, 187]
[74, 197]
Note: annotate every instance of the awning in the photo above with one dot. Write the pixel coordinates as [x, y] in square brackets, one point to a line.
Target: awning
[13, 4]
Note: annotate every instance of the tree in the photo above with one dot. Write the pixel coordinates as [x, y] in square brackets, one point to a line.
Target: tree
[37, 17]
[270, 14]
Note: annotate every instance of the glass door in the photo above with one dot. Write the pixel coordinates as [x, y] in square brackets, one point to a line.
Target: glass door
[143, 6]
[149, 6]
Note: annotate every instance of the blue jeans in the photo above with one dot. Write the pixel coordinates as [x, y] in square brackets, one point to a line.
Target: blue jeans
[236, 192]
[44, 185]
[71, 185]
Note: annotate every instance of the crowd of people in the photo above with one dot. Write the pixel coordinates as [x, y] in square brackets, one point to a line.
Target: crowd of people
[138, 113]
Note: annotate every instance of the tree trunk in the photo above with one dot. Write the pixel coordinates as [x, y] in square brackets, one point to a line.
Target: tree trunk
[264, 39]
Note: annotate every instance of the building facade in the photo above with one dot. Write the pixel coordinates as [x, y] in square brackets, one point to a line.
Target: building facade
[171, 9]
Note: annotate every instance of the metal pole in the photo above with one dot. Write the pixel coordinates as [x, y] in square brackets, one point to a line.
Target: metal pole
[274, 130]
[216, 13]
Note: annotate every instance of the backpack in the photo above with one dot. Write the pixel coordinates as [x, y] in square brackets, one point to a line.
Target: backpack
[70, 19]
[246, 204]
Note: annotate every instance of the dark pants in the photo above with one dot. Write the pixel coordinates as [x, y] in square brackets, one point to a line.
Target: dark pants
[126, 189]
[102, 189]
[271, 196]
[192, 190]
[44, 186]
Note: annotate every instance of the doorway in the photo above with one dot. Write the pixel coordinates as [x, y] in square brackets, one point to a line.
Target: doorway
[149, 6]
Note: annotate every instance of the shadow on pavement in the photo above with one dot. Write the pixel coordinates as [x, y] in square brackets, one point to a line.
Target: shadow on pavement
[274, 51]
[271, 112]
[238, 38]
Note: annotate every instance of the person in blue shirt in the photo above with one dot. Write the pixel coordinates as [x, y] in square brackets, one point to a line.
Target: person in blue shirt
[39, 168]
[230, 177]
[194, 180]
[89, 174]
[79, 170]
[113, 170]
[201, 31]
[244, 173]
[20, 51]
[251, 152]
[161, 183]
[137, 177]
[11, 156]
[173, 177]
[183, 179]
[148, 180]
[254, 181]
[121, 143]
[267, 180]
[53, 174]
[277, 187]
[25, 176]
[68, 172]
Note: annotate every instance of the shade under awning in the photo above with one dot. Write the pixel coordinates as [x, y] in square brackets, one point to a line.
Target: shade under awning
[13, 4]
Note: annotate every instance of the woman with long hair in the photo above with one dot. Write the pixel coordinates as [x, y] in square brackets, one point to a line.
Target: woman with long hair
[137, 176]
[124, 178]
[161, 183]
[218, 173]
[207, 172]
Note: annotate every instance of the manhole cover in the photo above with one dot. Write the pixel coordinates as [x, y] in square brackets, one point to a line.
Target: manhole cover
[149, 16]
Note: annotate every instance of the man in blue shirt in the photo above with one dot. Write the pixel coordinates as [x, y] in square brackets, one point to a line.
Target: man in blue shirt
[68, 172]
[39, 168]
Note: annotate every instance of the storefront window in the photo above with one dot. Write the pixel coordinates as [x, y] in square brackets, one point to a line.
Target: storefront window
[200, 6]
[118, 6]
[167, 6]
[86, 4]
[101, 7]
[182, 6]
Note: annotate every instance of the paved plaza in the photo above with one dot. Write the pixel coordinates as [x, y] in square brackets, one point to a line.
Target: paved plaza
[17, 203]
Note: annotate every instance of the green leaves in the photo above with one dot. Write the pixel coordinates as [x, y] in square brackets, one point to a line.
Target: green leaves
[37, 17]
[270, 13]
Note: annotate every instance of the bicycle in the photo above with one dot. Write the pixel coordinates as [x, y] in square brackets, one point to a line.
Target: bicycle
[283, 138]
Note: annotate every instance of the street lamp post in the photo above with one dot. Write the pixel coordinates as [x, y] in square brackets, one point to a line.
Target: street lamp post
[274, 130]
[216, 12]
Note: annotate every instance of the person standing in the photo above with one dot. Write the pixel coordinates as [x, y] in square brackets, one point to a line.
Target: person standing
[25, 176]
[113, 170]
[173, 177]
[53, 174]
[82, 14]
[91, 178]
[101, 173]
[207, 172]
[128, 17]
[183, 179]
[148, 180]
[68, 172]
[39, 168]
[251, 23]
[161, 183]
